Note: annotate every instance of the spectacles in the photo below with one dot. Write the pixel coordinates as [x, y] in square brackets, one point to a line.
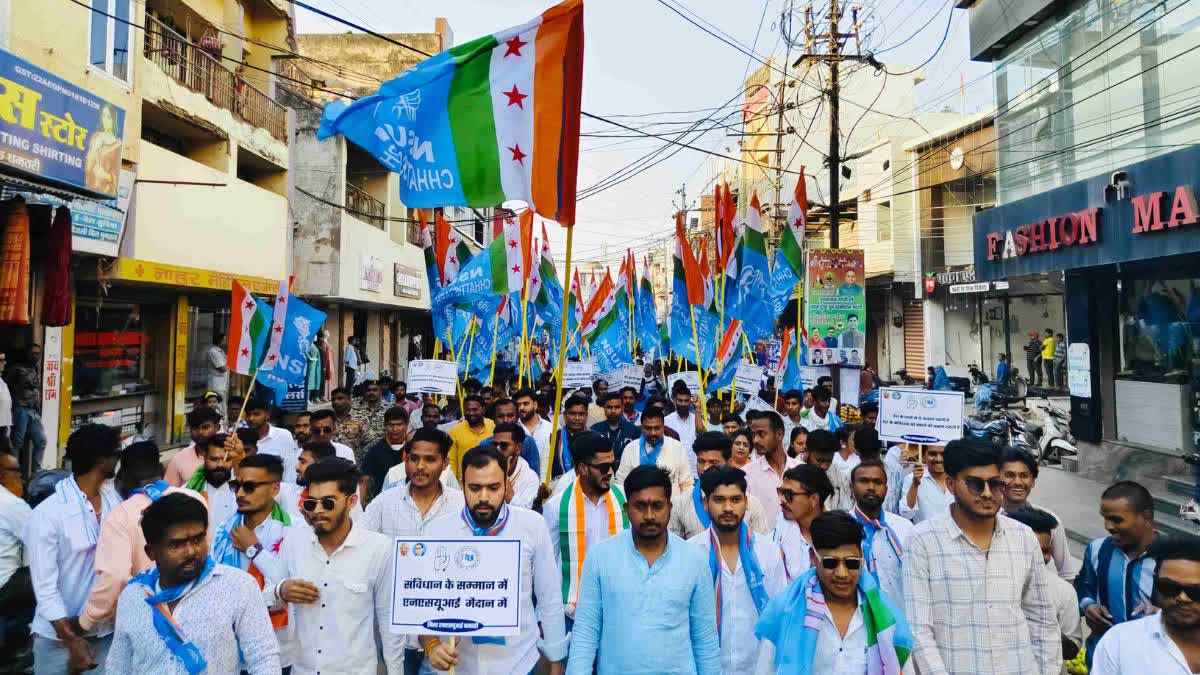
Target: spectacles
[852, 564]
[975, 485]
[249, 485]
[789, 494]
[327, 503]
[323, 430]
[604, 468]
[1169, 588]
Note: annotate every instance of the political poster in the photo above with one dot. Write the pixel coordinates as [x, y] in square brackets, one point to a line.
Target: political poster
[756, 403]
[748, 378]
[810, 374]
[578, 373]
[690, 377]
[430, 376]
[920, 415]
[459, 587]
[625, 376]
[835, 307]
[773, 352]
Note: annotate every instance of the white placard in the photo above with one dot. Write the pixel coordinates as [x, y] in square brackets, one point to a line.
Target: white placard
[920, 415]
[626, 376]
[1079, 369]
[756, 403]
[849, 380]
[578, 373]
[810, 374]
[461, 587]
[690, 377]
[430, 376]
[748, 379]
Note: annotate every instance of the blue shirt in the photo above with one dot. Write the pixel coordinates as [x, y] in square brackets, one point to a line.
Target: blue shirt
[640, 618]
[1110, 578]
[529, 453]
[624, 433]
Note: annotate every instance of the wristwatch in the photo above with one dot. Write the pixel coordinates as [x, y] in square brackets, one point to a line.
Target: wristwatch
[253, 550]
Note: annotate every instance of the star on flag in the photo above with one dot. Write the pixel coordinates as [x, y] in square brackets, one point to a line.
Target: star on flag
[518, 156]
[513, 46]
[249, 304]
[245, 352]
[515, 97]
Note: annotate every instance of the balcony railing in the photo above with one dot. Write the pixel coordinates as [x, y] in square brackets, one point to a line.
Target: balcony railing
[363, 206]
[197, 70]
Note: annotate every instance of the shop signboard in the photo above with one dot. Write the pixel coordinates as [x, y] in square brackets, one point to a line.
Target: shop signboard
[406, 282]
[55, 130]
[96, 225]
[920, 415]
[370, 273]
[836, 305]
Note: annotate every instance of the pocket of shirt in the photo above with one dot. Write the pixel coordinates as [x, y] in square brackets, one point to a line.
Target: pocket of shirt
[355, 586]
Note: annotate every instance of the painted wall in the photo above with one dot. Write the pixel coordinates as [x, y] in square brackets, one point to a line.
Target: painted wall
[359, 238]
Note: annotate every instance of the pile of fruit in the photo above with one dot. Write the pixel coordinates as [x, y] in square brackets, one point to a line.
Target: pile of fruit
[1078, 665]
[848, 414]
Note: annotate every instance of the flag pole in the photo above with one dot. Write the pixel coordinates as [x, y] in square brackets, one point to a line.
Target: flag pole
[246, 397]
[523, 360]
[699, 370]
[558, 367]
[495, 327]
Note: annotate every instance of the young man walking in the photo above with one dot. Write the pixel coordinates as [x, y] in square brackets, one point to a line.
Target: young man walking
[884, 534]
[688, 515]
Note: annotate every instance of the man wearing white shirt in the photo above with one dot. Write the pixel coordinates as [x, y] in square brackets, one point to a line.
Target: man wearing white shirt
[542, 629]
[212, 482]
[683, 421]
[884, 534]
[801, 499]
[523, 483]
[688, 515]
[746, 567]
[1062, 593]
[822, 415]
[654, 447]
[793, 405]
[535, 426]
[1020, 471]
[324, 428]
[925, 492]
[410, 508]
[338, 579]
[60, 540]
[272, 440]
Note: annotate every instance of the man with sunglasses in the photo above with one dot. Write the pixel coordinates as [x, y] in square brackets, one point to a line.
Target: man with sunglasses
[523, 483]
[1167, 642]
[325, 428]
[801, 498]
[250, 538]
[1114, 584]
[487, 515]
[974, 585]
[830, 621]
[338, 578]
[688, 515]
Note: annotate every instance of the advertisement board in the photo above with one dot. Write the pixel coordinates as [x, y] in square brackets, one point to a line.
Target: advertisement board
[836, 307]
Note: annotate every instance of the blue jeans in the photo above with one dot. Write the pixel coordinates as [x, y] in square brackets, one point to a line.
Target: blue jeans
[27, 423]
[50, 658]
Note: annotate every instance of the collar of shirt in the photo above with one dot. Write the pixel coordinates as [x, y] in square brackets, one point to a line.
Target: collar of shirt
[951, 528]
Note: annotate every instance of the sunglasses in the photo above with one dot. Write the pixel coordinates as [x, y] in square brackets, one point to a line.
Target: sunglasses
[327, 503]
[604, 468]
[830, 562]
[248, 485]
[975, 485]
[788, 494]
[323, 430]
[1168, 589]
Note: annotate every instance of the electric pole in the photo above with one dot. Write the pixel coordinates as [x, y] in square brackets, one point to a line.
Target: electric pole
[777, 230]
[834, 140]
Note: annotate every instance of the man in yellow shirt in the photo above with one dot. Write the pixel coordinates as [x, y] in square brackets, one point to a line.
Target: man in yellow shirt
[1048, 357]
[470, 431]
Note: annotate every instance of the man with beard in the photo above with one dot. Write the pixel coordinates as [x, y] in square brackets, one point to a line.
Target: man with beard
[250, 538]
[386, 452]
[574, 421]
[369, 414]
[468, 432]
[203, 424]
[656, 449]
[272, 440]
[1019, 470]
[801, 499]
[302, 427]
[211, 481]
[884, 534]
[1166, 643]
[121, 548]
[646, 588]
[60, 540]
[350, 431]
[629, 411]
[618, 430]
[325, 428]
[505, 412]
[684, 420]
[972, 576]
[688, 515]
[925, 493]
[431, 416]
[745, 566]
[523, 483]
[487, 515]
[188, 613]
[590, 499]
[338, 579]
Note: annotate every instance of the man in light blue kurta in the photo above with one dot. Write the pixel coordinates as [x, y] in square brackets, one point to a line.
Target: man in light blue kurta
[646, 604]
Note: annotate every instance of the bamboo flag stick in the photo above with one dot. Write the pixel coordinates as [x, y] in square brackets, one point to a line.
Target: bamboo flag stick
[558, 367]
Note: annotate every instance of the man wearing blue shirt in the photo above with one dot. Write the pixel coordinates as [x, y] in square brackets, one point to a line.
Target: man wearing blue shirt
[646, 588]
[615, 428]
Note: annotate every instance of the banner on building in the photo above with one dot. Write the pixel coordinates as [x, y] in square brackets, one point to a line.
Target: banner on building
[56, 130]
[836, 307]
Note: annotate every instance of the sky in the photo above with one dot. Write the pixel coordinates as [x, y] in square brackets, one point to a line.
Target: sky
[640, 57]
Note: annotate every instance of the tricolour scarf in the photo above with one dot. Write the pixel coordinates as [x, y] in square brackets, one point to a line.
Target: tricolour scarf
[792, 621]
[870, 527]
[494, 530]
[154, 491]
[274, 528]
[750, 567]
[572, 529]
[164, 624]
[649, 457]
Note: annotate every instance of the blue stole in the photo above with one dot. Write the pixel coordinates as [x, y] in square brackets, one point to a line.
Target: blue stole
[698, 502]
[650, 457]
[477, 531]
[870, 527]
[154, 491]
[164, 624]
[750, 567]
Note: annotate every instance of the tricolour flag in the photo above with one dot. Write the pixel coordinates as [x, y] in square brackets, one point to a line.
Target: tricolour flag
[605, 326]
[730, 342]
[432, 271]
[451, 251]
[647, 315]
[755, 311]
[278, 323]
[248, 328]
[484, 280]
[789, 255]
[494, 119]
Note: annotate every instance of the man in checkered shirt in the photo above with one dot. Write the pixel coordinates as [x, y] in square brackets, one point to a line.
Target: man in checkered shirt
[974, 590]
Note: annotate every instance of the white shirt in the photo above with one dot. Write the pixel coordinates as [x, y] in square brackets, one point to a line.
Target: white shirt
[834, 654]
[812, 421]
[280, 443]
[525, 485]
[395, 514]
[541, 437]
[842, 498]
[685, 522]
[888, 567]
[6, 419]
[794, 547]
[686, 428]
[1065, 564]
[595, 520]
[14, 513]
[217, 374]
[221, 504]
[739, 647]
[932, 500]
[541, 576]
[342, 450]
[848, 463]
[336, 634]
[270, 565]
[673, 457]
[1139, 646]
[1066, 606]
[60, 540]
[398, 475]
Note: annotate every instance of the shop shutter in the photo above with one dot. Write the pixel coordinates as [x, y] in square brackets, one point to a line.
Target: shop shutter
[914, 339]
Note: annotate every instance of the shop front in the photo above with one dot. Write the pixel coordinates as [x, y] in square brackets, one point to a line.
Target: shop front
[1128, 246]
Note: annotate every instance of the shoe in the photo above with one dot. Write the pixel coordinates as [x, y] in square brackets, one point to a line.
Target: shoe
[1190, 511]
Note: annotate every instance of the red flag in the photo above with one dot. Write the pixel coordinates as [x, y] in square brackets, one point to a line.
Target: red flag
[692, 276]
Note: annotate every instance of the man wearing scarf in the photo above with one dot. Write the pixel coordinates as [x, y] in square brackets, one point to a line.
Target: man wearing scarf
[834, 619]
[189, 614]
[211, 481]
[747, 567]
[250, 539]
[487, 515]
[884, 534]
[688, 516]
[654, 447]
[121, 549]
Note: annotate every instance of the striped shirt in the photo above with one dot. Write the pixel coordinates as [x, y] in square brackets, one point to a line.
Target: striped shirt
[1111, 579]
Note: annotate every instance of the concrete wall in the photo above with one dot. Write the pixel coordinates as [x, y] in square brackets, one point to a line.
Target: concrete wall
[364, 54]
[358, 239]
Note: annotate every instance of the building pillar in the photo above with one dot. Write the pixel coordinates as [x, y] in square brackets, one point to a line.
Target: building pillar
[179, 351]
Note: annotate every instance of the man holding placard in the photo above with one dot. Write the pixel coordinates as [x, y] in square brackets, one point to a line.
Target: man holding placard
[487, 515]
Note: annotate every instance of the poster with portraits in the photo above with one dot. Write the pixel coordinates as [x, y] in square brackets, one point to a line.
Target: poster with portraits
[835, 307]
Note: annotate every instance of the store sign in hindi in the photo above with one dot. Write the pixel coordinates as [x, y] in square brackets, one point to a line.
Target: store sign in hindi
[406, 282]
[56, 130]
[836, 306]
[96, 226]
[920, 416]
[370, 273]
[460, 587]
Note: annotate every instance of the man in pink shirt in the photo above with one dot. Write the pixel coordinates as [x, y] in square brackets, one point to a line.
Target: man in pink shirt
[204, 423]
[121, 548]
